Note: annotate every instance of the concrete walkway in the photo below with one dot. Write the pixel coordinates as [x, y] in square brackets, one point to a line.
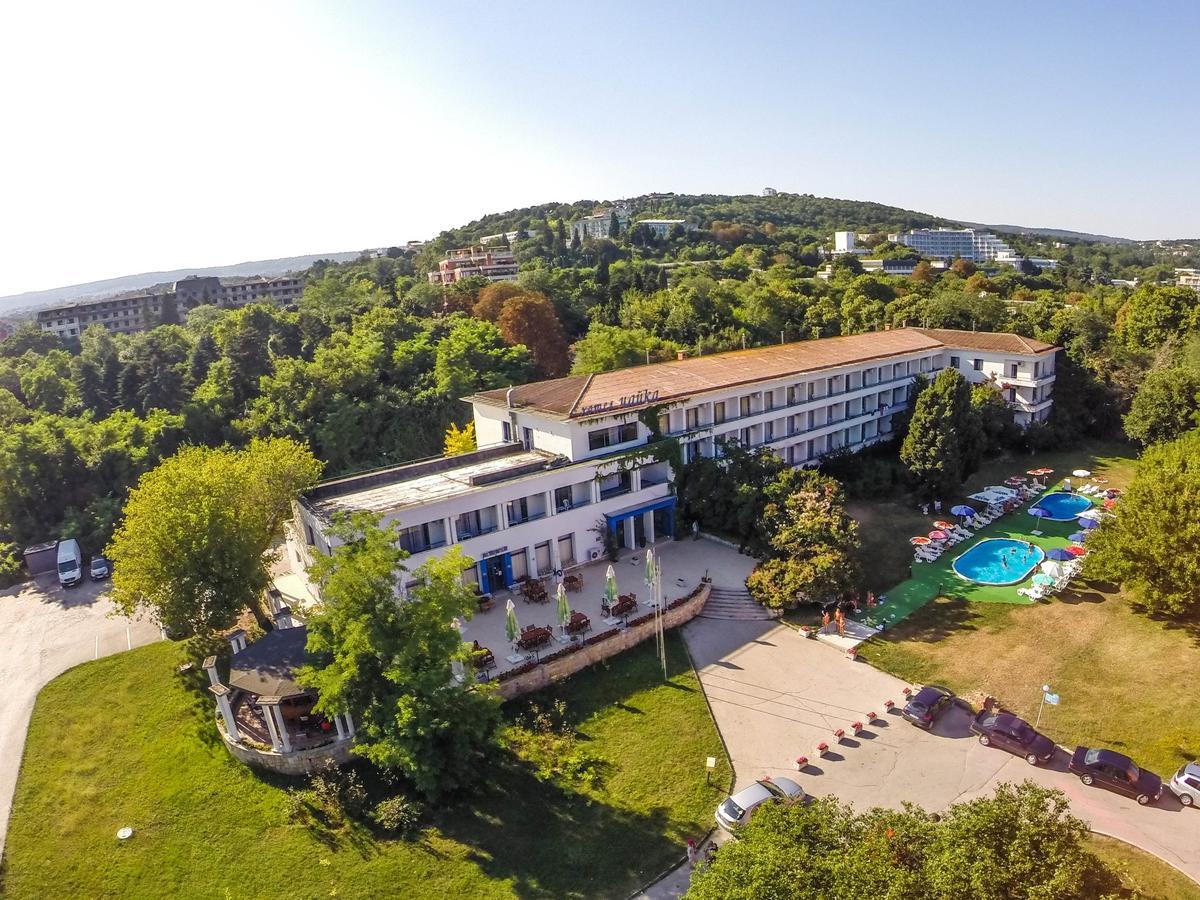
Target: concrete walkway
[43, 632]
[775, 694]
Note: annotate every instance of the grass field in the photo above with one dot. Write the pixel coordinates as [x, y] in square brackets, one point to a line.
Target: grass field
[122, 742]
[1142, 874]
[1120, 675]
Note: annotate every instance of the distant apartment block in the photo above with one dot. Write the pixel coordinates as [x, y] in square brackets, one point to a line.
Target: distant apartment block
[1188, 278]
[965, 243]
[493, 263]
[599, 223]
[662, 228]
[143, 310]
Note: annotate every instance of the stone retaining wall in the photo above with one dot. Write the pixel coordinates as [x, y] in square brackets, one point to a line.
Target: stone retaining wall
[548, 673]
[298, 762]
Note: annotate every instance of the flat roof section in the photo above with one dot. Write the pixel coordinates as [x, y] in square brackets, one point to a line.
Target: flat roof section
[429, 487]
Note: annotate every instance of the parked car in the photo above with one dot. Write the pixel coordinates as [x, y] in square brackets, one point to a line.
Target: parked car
[1186, 784]
[997, 728]
[99, 569]
[924, 707]
[70, 562]
[1115, 771]
[736, 811]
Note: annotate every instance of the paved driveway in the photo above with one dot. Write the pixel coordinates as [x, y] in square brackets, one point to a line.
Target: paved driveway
[776, 694]
[43, 632]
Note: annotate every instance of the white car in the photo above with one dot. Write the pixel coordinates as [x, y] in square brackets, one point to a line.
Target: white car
[1186, 784]
[736, 811]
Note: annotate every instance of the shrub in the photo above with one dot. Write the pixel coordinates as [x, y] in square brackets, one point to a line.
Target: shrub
[398, 815]
[340, 791]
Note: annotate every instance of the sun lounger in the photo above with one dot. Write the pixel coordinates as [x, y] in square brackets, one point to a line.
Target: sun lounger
[1037, 592]
[961, 533]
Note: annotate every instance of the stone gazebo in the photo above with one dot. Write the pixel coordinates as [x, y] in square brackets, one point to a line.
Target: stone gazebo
[266, 718]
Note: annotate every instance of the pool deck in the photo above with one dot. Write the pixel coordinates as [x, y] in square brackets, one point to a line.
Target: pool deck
[930, 580]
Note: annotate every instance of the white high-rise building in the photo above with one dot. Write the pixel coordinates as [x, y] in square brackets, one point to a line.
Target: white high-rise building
[843, 241]
[962, 243]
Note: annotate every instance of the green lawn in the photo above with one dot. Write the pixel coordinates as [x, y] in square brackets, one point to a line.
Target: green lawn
[1143, 875]
[121, 741]
[1120, 675]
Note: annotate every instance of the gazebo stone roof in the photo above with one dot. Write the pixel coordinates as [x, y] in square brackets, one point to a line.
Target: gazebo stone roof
[267, 666]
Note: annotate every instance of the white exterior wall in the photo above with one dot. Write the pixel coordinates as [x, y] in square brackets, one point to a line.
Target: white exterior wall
[1033, 384]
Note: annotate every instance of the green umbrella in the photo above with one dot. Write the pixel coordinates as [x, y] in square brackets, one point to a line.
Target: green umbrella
[1043, 579]
[649, 568]
[511, 628]
[610, 586]
[564, 607]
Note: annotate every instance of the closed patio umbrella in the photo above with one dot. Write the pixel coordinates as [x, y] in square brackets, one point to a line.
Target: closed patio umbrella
[1059, 553]
[564, 606]
[649, 568]
[511, 628]
[610, 586]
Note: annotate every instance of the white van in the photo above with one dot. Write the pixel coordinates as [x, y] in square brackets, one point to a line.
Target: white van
[70, 563]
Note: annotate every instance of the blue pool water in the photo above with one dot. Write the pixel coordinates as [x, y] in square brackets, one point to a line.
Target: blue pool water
[1063, 506]
[998, 561]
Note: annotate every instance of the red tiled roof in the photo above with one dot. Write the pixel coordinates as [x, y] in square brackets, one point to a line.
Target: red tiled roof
[995, 341]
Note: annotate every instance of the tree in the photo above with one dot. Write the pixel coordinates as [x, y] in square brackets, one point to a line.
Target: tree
[922, 272]
[1021, 842]
[607, 347]
[937, 449]
[1167, 404]
[1159, 566]
[388, 662]
[194, 545]
[459, 440]
[812, 542]
[614, 225]
[529, 319]
[491, 299]
[474, 356]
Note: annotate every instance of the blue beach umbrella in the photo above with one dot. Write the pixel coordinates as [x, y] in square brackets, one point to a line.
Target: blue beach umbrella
[1077, 537]
[1038, 513]
[962, 510]
[1059, 554]
[1088, 524]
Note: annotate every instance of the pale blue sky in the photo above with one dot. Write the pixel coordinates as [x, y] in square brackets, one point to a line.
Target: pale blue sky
[149, 136]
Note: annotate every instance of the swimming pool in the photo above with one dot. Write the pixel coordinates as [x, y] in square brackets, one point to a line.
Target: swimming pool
[1063, 506]
[998, 561]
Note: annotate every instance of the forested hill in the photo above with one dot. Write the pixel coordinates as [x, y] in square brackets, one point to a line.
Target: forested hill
[822, 214]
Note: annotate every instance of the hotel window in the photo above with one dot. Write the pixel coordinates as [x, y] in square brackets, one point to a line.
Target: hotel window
[954, 362]
[566, 550]
[1012, 369]
[506, 430]
[768, 401]
[664, 423]
[718, 413]
[541, 554]
[744, 406]
[627, 432]
[693, 418]
[977, 365]
[599, 439]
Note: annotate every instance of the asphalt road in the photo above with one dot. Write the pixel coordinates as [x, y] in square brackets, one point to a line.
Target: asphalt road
[44, 631]
[776, 694]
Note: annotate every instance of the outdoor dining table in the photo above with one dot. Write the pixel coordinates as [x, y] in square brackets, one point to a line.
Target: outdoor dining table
[579, 623]
[533, 637]
[573, 583]
[624, 606]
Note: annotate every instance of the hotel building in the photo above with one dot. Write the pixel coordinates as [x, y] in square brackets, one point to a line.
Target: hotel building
[493, 263]
[566, 459]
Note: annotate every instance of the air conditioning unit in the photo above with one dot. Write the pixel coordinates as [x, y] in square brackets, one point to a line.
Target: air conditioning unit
[594, 554]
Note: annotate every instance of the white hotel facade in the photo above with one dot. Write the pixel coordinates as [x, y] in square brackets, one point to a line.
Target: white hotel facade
[564, 457]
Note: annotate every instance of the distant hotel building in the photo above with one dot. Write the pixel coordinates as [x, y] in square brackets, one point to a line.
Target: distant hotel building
[662, 228]
[598, 224]
[559, 459]
[493, 263]
[965, 243]
[142, 311]
[1188, 278]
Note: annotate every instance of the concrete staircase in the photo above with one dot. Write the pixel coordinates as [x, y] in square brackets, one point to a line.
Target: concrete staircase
[734, 603]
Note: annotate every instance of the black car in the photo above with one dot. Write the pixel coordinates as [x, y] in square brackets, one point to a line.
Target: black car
[1104, 768]
[1006, 731]
[927, 704]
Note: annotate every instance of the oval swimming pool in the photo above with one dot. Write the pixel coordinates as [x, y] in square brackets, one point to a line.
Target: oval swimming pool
[1063, 506]
[998, 561]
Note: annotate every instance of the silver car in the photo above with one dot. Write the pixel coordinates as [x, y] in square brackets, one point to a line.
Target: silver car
[737, 810]
[1186, 784]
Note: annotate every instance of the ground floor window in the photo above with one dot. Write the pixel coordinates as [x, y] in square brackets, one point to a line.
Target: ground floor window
[566, 551]
[520, 564]
[542, 553]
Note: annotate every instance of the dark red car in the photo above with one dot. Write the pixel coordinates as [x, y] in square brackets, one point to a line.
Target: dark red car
[1105, 768]
[1008, 732]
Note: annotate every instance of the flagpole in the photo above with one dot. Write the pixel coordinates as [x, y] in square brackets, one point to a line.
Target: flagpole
[662, 632]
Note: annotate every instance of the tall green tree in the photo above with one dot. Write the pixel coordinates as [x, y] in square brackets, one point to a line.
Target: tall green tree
[941, 435]
[194, 545]
[388, 661]
[1020, 843]
[1152, 545]
[1167, 404]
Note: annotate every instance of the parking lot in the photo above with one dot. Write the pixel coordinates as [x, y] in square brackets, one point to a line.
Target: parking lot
[775, 695]
[45, 630]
